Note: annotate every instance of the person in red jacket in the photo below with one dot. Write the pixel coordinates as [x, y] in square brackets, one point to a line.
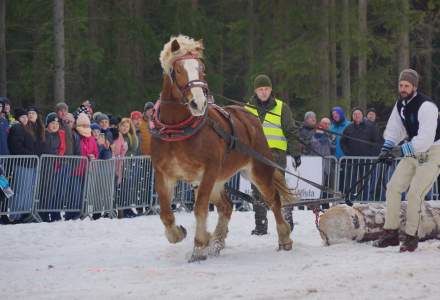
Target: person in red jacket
[86, 146]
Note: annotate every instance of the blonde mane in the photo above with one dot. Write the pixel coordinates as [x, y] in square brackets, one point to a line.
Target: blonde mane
[187, 46]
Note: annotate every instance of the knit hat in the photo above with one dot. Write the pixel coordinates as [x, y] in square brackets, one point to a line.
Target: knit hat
[83, 125]
[82, 119]
[371, 109]
[409, 75]
[135, 115]
[32, 108]
[18, 112]
[309, 114]
[95, 126]
[115, 120]
[101, 117]
[262, 80]
[51, 117]
[148, 105]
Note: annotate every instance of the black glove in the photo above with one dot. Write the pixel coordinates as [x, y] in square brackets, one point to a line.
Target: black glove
[387, 154]
[296, 162]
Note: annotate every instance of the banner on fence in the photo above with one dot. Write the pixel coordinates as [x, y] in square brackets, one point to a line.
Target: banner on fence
[311, 169]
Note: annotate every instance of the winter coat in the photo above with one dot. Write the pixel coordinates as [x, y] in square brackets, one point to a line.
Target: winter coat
[20, 141]
[87, 146]
[305, 135]
[364, 131]
[4, 130]
[338, 127]
[321, 144]
[145, 138]
[55, 143]
[132, 144]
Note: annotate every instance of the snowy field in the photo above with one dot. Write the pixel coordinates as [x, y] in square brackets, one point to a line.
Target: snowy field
[131, 259]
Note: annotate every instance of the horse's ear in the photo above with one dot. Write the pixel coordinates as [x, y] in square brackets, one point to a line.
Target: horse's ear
[175, 46]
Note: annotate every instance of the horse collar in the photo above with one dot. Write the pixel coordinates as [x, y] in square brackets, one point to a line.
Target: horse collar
[175, 132]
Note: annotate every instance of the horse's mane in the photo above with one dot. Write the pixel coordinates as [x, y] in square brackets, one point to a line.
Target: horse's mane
[187, 45]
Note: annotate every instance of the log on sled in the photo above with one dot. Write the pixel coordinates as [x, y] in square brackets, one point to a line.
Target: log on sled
[364, 222]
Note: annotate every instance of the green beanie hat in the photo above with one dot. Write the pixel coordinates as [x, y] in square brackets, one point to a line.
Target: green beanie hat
[262, 80]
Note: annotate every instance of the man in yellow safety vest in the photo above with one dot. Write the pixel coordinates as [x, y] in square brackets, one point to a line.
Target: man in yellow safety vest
[281, 135]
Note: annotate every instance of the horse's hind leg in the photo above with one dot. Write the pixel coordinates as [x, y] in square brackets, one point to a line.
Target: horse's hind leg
[221, 200]
[164, 188]
[262, 177]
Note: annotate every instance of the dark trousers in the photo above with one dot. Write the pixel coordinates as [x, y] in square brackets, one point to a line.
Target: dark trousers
[260, 211]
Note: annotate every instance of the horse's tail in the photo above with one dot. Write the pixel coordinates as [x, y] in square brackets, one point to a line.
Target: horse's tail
[279, 182]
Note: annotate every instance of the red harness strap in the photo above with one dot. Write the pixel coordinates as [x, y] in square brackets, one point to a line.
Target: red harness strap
[175, 132]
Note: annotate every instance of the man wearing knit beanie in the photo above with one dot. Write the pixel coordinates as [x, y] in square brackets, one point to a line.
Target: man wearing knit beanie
[415, 121]
[281, 135]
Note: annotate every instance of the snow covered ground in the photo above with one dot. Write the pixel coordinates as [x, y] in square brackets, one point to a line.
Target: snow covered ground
[131, 259]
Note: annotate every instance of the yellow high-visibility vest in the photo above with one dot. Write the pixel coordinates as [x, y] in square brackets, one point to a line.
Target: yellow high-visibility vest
[272, 126]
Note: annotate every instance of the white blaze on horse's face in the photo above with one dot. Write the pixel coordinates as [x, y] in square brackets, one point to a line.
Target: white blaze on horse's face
[198, 102]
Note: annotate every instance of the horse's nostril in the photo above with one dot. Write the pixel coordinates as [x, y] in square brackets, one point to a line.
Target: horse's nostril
[193, 104]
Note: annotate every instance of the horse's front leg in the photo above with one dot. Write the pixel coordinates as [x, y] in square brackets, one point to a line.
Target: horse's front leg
[164, 187]
[202, 236]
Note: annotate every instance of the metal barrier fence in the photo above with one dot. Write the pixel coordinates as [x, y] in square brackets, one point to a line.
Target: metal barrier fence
[133, 183]
[22, 173]
[49, 186]
[373, 187]
[60, 187]
[99, 192]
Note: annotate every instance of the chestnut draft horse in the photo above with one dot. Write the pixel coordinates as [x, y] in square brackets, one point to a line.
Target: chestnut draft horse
[185, 146]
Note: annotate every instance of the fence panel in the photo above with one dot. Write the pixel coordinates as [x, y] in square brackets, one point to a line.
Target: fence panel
[22, 173]
[134, 183]
[373, 187]
[99, 196]
[61, 186]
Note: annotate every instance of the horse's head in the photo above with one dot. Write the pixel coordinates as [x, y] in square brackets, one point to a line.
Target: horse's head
[186, 73]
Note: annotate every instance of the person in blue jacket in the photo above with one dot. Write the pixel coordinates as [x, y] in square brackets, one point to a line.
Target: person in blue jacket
[338, 125]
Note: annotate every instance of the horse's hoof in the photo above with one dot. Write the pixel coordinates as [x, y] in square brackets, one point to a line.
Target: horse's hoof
[215, 247]
[285, 247]
[176, 234]
[199, 254]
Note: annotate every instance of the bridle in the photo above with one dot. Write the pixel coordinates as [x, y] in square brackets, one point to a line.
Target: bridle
[190, 84]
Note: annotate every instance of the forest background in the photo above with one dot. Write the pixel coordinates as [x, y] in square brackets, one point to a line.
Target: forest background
[319, 53]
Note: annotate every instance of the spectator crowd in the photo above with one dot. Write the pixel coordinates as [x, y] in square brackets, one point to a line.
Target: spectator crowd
[83, 132]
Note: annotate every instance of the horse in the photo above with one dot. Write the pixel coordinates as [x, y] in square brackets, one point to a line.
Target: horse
[186, 145]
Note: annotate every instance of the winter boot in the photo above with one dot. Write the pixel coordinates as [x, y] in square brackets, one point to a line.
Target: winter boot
[410, 243]
[260, 220]
[260, 227]
[389, 237]
[287, 213]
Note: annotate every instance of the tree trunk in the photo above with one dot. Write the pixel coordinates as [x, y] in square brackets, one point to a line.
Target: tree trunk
[362, 60]
[251, 35]
[403, 62]
[93, 38]
[427, 59]
[364, 222]
[333, 74]
[3, 79]
[58, 28]
[345, 55]
[324, 65]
